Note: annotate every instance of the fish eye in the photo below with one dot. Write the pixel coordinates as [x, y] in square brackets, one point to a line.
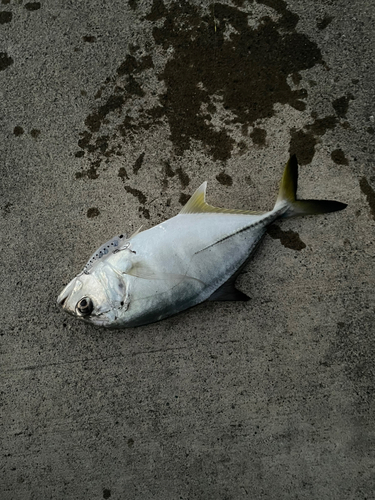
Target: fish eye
[85, 306]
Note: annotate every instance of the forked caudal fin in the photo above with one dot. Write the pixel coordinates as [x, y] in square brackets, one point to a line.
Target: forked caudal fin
[287, 193]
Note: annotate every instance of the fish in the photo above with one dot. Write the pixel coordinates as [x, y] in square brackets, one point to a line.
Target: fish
[187, 259]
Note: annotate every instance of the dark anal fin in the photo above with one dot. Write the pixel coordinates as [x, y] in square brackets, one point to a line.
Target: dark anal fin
[228, 292]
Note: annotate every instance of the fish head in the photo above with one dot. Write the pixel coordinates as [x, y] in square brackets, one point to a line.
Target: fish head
[98, 298]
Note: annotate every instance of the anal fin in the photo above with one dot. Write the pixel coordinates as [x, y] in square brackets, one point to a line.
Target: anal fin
[228, 291]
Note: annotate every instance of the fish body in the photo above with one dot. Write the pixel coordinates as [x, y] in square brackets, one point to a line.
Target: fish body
[179, 263]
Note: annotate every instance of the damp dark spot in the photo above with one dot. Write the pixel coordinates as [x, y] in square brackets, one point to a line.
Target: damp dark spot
[133, 4]
[138, 194]
[5, 2]
[138, 163]
[94, 121]
[290, 239]
[90, 173]
[169, 172]
[86, 137]
[89, 38]
[338, 157]
[296, 78]
[79, 154]
[323, 23]
[83, 92]
[207, 74]
[341, 105]
[17, 131]
[35, 133]
[92, 212]
[5, 17]
[123, 174]
[250, 67]
[145, 212]
[183, 177]
[5, 61]
[184, 198]
[132, 65]
[7, 208]
[303, 142]
[258, 135]
[130, 443]
[224, 179]
[32, 6]
[133, 87]
[368, 191]
[106, 493]
[371, 130]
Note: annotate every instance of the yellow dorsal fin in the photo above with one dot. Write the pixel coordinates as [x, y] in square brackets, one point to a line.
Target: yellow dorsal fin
[197, 205]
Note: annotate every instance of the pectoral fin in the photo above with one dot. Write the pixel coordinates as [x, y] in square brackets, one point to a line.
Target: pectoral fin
[143, 271]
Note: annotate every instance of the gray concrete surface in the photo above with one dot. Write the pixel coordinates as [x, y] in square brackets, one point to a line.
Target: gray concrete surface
[112, 114]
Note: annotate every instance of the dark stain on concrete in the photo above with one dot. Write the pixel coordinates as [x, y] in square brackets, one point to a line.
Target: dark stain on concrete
[290, 239]
[368, 191]
[7, 208]
[89, 38]
[371, 130]
[184, 198]
[5, 61]
[138, 163]
[133, 4]
[224, 179]
[32, 6]
[92, 212]
[130, 442]
[94, 121]
[323, 23]
[145, 212]
[248, 70]
[341, 105]
[338, 157]
[5, 17]
[303, 142]
[258, 136]
[17, 131]
[90, 173]
[106, 493]
[183, 177]
[79, 154]
[243, 73]
[35, 133]
[123, 174]
[5, 2]
[138, 194]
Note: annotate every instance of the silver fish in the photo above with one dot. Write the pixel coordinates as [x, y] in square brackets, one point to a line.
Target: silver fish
[179, 263]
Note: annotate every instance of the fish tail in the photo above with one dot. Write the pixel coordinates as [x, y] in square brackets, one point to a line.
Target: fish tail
[287, 195]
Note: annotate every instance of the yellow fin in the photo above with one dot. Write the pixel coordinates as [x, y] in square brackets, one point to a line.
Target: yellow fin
[197, 205]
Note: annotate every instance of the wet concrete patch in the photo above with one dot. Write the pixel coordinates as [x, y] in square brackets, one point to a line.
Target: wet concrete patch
[303, 141]
[5, 61]
[31, 6]
[5, 17]
[92, 212]
[17, 131]
[216, 62]
[341, 105]
[368, 191]
[338, 157]
[289, 239]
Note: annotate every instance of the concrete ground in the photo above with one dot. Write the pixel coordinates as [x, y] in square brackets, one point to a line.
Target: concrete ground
[112, 114]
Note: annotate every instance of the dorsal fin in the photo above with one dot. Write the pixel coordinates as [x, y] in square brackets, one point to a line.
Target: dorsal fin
[197, 205]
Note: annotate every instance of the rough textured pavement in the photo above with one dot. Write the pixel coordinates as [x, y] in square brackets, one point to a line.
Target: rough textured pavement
[112, 114]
